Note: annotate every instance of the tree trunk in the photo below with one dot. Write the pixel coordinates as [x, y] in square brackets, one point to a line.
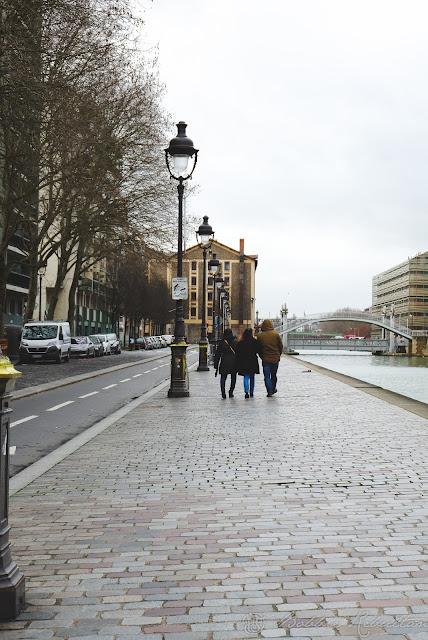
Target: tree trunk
[3, 280]
[72, 293]
[32, 294]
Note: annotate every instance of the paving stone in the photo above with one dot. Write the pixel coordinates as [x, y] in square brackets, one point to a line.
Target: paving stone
[193, 534]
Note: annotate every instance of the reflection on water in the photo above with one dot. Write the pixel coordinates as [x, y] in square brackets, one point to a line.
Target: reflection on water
[408, 376]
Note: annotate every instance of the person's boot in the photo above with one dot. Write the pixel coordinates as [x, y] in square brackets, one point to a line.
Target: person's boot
[230, 393]
[247, 395]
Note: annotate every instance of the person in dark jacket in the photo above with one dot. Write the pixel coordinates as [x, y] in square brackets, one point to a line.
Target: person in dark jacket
[248, 364]
[225, 361]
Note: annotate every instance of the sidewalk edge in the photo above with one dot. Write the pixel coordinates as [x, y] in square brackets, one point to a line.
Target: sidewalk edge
[37, 469]
[49, 386]
[404, 402]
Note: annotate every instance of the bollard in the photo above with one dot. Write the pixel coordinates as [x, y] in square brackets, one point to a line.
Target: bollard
[12, 582]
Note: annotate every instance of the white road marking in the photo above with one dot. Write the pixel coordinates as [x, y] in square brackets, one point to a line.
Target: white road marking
[13, 424]
[59, 406]
[137, 375]
[126, 380]
[154, 368]
[93, 393]
[111, 386]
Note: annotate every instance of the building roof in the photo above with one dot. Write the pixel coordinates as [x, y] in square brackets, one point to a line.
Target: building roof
[224, 246]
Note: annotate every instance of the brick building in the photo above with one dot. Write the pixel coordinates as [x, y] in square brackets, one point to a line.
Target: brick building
[238, 271]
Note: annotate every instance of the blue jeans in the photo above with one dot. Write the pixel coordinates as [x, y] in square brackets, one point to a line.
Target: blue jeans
[270, 370]
[249, 381]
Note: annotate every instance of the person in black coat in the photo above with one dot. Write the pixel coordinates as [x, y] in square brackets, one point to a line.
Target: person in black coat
[248, 364]
[225, 361]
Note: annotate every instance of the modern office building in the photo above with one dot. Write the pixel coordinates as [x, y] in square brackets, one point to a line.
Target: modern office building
[238, 271]
[406, 287]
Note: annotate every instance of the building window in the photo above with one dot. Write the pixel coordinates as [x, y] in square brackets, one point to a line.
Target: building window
[193, 296]
[226, 281]
[194, 265]
[210, 282]
[193, 312]
[227, 266]
[194, 281]
[210, 311]
[210, 296]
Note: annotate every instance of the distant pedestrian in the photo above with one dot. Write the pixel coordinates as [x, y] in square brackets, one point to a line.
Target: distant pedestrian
[271, 349]
[248, 363]
[225, 361]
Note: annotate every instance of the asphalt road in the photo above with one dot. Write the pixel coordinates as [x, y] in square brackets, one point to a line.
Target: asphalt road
[43, 422]
[45, 372]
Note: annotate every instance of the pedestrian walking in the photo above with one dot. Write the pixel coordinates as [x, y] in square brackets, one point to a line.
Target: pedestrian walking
[271, 347]
[248, 363]
[225, 361]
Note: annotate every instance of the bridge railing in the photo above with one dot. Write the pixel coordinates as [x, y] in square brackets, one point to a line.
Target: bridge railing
[362, 316]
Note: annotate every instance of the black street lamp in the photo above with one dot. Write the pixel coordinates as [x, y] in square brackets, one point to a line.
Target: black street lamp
[205, 237]
[42, 271]
[213, 267]
[218, 282]
[221, 297]
[12, 582]
[180, 149]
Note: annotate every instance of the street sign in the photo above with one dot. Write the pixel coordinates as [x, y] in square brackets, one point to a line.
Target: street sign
[179, 289]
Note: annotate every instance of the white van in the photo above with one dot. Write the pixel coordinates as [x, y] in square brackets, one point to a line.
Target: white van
[45, 341]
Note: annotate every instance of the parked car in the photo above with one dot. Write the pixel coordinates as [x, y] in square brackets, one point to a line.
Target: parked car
[149, 343]
[45, 341]
[164, 343]
[141, 342]
[114, 343]
[105, 341]
[98, 345]
[168, 337]
[157, 342]
[82, 346]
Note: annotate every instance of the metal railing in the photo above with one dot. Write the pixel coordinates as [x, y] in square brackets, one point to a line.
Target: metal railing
[364, 316]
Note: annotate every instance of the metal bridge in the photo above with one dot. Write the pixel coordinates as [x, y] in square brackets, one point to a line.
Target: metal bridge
[381, 320]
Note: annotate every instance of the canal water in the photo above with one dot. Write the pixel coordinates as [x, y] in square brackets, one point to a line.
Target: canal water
[408, 376]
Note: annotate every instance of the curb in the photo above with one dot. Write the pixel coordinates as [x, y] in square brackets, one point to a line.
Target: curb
[37, 469]
[404, 402]
[48, 386]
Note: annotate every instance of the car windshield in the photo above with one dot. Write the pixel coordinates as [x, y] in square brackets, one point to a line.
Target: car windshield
[78, 340]
[40, 332]
[111, 336]
[93, 339]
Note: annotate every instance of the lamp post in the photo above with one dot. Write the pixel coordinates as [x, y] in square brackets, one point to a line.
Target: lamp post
[218, 283]
[205, 237]
[42, 272]
[221, 296]
[12, 582]
[180, 150]
[213, 267]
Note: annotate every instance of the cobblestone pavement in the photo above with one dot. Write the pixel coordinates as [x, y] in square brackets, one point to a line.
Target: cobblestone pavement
[300, 515]
[43, 372]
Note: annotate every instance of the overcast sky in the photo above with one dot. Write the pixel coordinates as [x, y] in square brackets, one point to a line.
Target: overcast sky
[311, 121]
